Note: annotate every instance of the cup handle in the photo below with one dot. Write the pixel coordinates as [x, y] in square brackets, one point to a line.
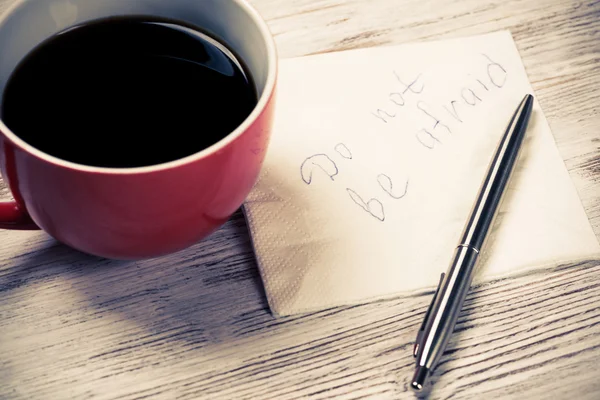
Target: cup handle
[12, 214]
[13, 217]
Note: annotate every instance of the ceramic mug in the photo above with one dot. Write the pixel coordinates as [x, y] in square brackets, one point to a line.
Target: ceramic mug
[136, 213]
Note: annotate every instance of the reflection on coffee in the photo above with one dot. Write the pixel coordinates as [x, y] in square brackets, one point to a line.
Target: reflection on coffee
[127, 92]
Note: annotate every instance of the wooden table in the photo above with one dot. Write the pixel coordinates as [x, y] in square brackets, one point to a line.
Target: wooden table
[196, 324]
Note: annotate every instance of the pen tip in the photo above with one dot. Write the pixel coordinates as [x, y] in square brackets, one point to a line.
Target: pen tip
[416, 386]
[419, 378]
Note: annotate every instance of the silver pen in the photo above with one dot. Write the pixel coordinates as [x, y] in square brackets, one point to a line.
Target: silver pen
[440, 319]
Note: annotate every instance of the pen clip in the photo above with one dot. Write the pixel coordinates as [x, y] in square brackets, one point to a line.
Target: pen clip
[424, 324]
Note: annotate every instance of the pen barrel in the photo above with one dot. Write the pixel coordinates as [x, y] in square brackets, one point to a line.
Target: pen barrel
[447, 306]
[496, 179]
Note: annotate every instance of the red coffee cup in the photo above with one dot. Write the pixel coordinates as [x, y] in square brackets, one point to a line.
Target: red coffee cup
[135, 213]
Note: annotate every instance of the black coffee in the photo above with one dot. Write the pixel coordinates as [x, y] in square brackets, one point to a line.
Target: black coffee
[127, 93]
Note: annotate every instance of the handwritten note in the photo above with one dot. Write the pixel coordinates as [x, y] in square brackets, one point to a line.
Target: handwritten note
[375, 161]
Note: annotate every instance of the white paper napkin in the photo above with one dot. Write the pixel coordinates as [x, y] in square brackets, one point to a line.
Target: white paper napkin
[375, 161]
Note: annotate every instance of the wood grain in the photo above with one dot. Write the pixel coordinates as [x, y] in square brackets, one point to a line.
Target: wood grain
[197, 325]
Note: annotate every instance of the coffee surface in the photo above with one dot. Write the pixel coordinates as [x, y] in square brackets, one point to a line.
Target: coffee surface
[127, 92]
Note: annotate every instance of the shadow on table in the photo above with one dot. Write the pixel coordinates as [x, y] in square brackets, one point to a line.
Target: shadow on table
[199, 295]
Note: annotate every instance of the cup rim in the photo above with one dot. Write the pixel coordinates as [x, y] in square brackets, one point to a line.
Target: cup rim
[261, 105]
